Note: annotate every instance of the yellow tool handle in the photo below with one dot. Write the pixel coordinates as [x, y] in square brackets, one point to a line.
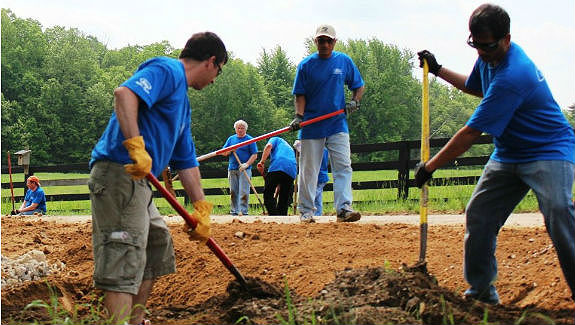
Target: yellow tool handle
[424, 158]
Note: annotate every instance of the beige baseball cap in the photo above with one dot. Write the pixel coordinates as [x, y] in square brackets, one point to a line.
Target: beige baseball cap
[325, 30]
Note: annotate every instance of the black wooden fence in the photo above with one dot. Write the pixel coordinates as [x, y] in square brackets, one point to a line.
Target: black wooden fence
[215, 168]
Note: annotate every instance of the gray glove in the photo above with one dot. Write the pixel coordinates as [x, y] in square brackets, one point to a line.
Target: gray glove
[243, 167]
[351, 107]
[295, 124]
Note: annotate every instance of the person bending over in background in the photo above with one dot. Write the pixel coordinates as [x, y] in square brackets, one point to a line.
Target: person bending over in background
[282, 171]
[34, 200]
[239, 183]
[149, 129]
[534, 149]
[319, 90]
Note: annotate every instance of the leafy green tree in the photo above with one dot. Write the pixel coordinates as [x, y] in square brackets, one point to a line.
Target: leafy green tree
[239, 93]
[278, 73]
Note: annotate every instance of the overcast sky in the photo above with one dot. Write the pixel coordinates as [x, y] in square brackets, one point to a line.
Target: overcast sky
[545, 29]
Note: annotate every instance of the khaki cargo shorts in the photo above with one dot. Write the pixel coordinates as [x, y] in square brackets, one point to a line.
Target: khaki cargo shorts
[131, 239]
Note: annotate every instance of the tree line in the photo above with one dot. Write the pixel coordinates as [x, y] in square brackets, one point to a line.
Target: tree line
[57, 93]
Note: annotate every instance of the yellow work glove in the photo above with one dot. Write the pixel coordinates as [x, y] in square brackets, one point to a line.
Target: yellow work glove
[202, 211]
[142, 161]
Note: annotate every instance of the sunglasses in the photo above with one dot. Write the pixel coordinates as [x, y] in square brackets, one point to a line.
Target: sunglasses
[487, 47]
[219, 68]
[324, 40]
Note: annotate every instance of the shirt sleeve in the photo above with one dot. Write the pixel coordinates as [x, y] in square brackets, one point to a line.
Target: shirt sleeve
[473, 82]
[152, 83]
[184, 155]
[354, 79]
[495, 110]
[299, 81]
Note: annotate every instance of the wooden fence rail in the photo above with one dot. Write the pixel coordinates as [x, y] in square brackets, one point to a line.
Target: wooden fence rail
[216, 168]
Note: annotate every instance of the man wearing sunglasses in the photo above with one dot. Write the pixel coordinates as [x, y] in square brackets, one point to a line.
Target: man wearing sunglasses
[534, 149]
[319, 89]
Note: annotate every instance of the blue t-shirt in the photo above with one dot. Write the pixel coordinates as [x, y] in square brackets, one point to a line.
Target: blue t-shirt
[244, 153]
[36, 196]
[519, 111]
[282, 157]
[164, 118]
[322, 83]
[323, 177]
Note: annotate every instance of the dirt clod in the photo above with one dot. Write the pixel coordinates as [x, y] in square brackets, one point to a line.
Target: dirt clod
[256, 288]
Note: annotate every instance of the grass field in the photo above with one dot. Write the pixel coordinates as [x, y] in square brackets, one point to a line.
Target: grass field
[443, 199]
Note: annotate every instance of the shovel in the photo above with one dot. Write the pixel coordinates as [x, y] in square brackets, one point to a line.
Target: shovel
[424, 157]
[192, 222]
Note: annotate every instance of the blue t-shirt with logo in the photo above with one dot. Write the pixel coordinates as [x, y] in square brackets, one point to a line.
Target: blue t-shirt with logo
[322, 83]
[164, 118]
[519, 111]
[244, 153]
[37, 197]
[282, 157]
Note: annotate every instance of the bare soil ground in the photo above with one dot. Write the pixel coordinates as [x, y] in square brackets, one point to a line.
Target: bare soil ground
[336, 273]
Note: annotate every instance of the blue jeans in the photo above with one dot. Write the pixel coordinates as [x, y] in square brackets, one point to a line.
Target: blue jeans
[501, 187]
[239, 191]
[318, 201]
[29, 213]
[310, 162]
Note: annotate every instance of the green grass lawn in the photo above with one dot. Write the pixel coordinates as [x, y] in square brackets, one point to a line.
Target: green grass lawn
[375, 201]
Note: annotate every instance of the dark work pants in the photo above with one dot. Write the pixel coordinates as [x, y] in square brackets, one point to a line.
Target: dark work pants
[280, 206]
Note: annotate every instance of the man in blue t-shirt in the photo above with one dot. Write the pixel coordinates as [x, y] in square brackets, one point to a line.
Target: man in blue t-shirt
[319, 89]
[534, 149]
[237, 171]
[34, 200]
[282, 171]
[149, 129]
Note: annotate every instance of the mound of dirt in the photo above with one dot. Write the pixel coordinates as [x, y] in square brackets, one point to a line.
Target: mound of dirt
[367, 296]
[333, 273]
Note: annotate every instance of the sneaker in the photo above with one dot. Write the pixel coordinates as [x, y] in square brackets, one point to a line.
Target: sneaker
[488, 296]
[348, 216]
[306, 219]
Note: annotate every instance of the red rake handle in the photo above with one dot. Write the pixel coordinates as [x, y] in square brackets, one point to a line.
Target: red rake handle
[192, 222]
[268, 135]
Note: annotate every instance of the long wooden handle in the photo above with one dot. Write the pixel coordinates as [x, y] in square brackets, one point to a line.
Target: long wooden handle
[192, 222]
[424, 157]
[250, 181]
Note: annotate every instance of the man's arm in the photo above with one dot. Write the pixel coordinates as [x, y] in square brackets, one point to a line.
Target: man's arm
[358, 93]
[192, 183]
[126, 108]
[299, 103]
[457, 145]
[31, 207]
[266, 153]
[457, 80]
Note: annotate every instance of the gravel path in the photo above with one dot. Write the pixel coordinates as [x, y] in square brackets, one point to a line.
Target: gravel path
[515, 220]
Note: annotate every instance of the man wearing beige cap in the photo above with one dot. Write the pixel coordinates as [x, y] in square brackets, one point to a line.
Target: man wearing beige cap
[319, 89]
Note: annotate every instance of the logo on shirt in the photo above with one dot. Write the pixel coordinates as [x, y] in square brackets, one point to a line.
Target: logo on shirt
[145, 84]
[337, 71]
[540, 76]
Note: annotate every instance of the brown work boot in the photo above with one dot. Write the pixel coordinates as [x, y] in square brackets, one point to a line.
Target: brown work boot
[348, 216]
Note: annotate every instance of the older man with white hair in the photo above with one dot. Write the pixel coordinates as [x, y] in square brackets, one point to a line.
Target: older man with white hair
[239, 183]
